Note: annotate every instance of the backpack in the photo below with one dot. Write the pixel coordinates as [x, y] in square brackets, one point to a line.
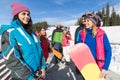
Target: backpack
[4, 71]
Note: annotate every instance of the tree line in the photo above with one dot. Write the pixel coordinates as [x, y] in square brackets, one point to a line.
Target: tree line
[108, 19]
[38, 25]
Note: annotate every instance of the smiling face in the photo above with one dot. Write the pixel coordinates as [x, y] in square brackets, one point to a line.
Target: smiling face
[83, 21]
[24, 17]
[89, 23]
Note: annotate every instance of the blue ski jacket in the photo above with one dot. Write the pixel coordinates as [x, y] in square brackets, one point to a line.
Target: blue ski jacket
[23, 52]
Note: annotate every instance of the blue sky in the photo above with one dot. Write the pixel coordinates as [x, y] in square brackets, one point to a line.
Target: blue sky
[65, 12]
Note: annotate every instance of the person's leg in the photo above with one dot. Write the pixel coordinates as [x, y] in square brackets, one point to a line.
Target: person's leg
[64, 52]
[61, 51]
[56, 61]
[67, 54]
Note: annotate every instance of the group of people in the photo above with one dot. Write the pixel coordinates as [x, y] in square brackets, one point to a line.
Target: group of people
[61, 42]
[26, 52]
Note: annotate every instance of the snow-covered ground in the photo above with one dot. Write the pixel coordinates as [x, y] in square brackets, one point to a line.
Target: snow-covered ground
[113, 35]
[114, 38]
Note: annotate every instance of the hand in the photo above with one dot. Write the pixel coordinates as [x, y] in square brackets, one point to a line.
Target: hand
[68, 35]
[103, 73]
[43, 73]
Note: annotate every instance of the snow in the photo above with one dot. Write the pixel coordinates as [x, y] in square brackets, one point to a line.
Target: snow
[113, 33]
[115, 62]
[114, 38]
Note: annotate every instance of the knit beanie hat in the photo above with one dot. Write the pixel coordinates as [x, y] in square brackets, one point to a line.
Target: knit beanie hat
[95, 19]
[99, 21]
[17, 8]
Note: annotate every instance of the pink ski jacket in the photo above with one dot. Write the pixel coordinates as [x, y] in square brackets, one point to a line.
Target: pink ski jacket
[65, 40]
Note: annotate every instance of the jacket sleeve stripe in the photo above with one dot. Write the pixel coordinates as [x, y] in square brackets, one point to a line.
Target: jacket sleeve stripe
[3, 72]
[35, 38]
[2, 66]
[8, 55]
[5, 75]
[24, 35]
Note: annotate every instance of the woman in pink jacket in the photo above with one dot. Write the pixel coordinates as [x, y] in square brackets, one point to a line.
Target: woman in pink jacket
[66, 45]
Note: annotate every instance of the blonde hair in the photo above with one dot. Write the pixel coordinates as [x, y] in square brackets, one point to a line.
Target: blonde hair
[94, 30]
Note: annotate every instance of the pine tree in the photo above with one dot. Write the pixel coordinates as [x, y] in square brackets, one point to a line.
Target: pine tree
[107, 20]
[99, 13]
[103, 16]
[113, 15]
[103, 13]
[117, 20]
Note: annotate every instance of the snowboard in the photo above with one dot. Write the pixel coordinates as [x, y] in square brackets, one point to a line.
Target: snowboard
[57, 53]
[82, 57]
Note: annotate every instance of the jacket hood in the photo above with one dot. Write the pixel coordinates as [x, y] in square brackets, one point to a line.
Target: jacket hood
[13, 24]
[4, 28]
[16, 23]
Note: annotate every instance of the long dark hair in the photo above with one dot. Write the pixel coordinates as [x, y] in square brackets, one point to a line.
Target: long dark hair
[44, 29]
[27, 27]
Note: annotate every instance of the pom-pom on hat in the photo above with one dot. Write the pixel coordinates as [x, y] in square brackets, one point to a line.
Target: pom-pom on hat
[17, 8]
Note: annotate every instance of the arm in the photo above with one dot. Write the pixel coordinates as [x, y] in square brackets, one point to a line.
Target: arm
[78, 38]
[43, 67]
[76, 34]
[52, 38]
[53, 35]
[108, 52]
[13, 61]
[69, 37]
[42, 62]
